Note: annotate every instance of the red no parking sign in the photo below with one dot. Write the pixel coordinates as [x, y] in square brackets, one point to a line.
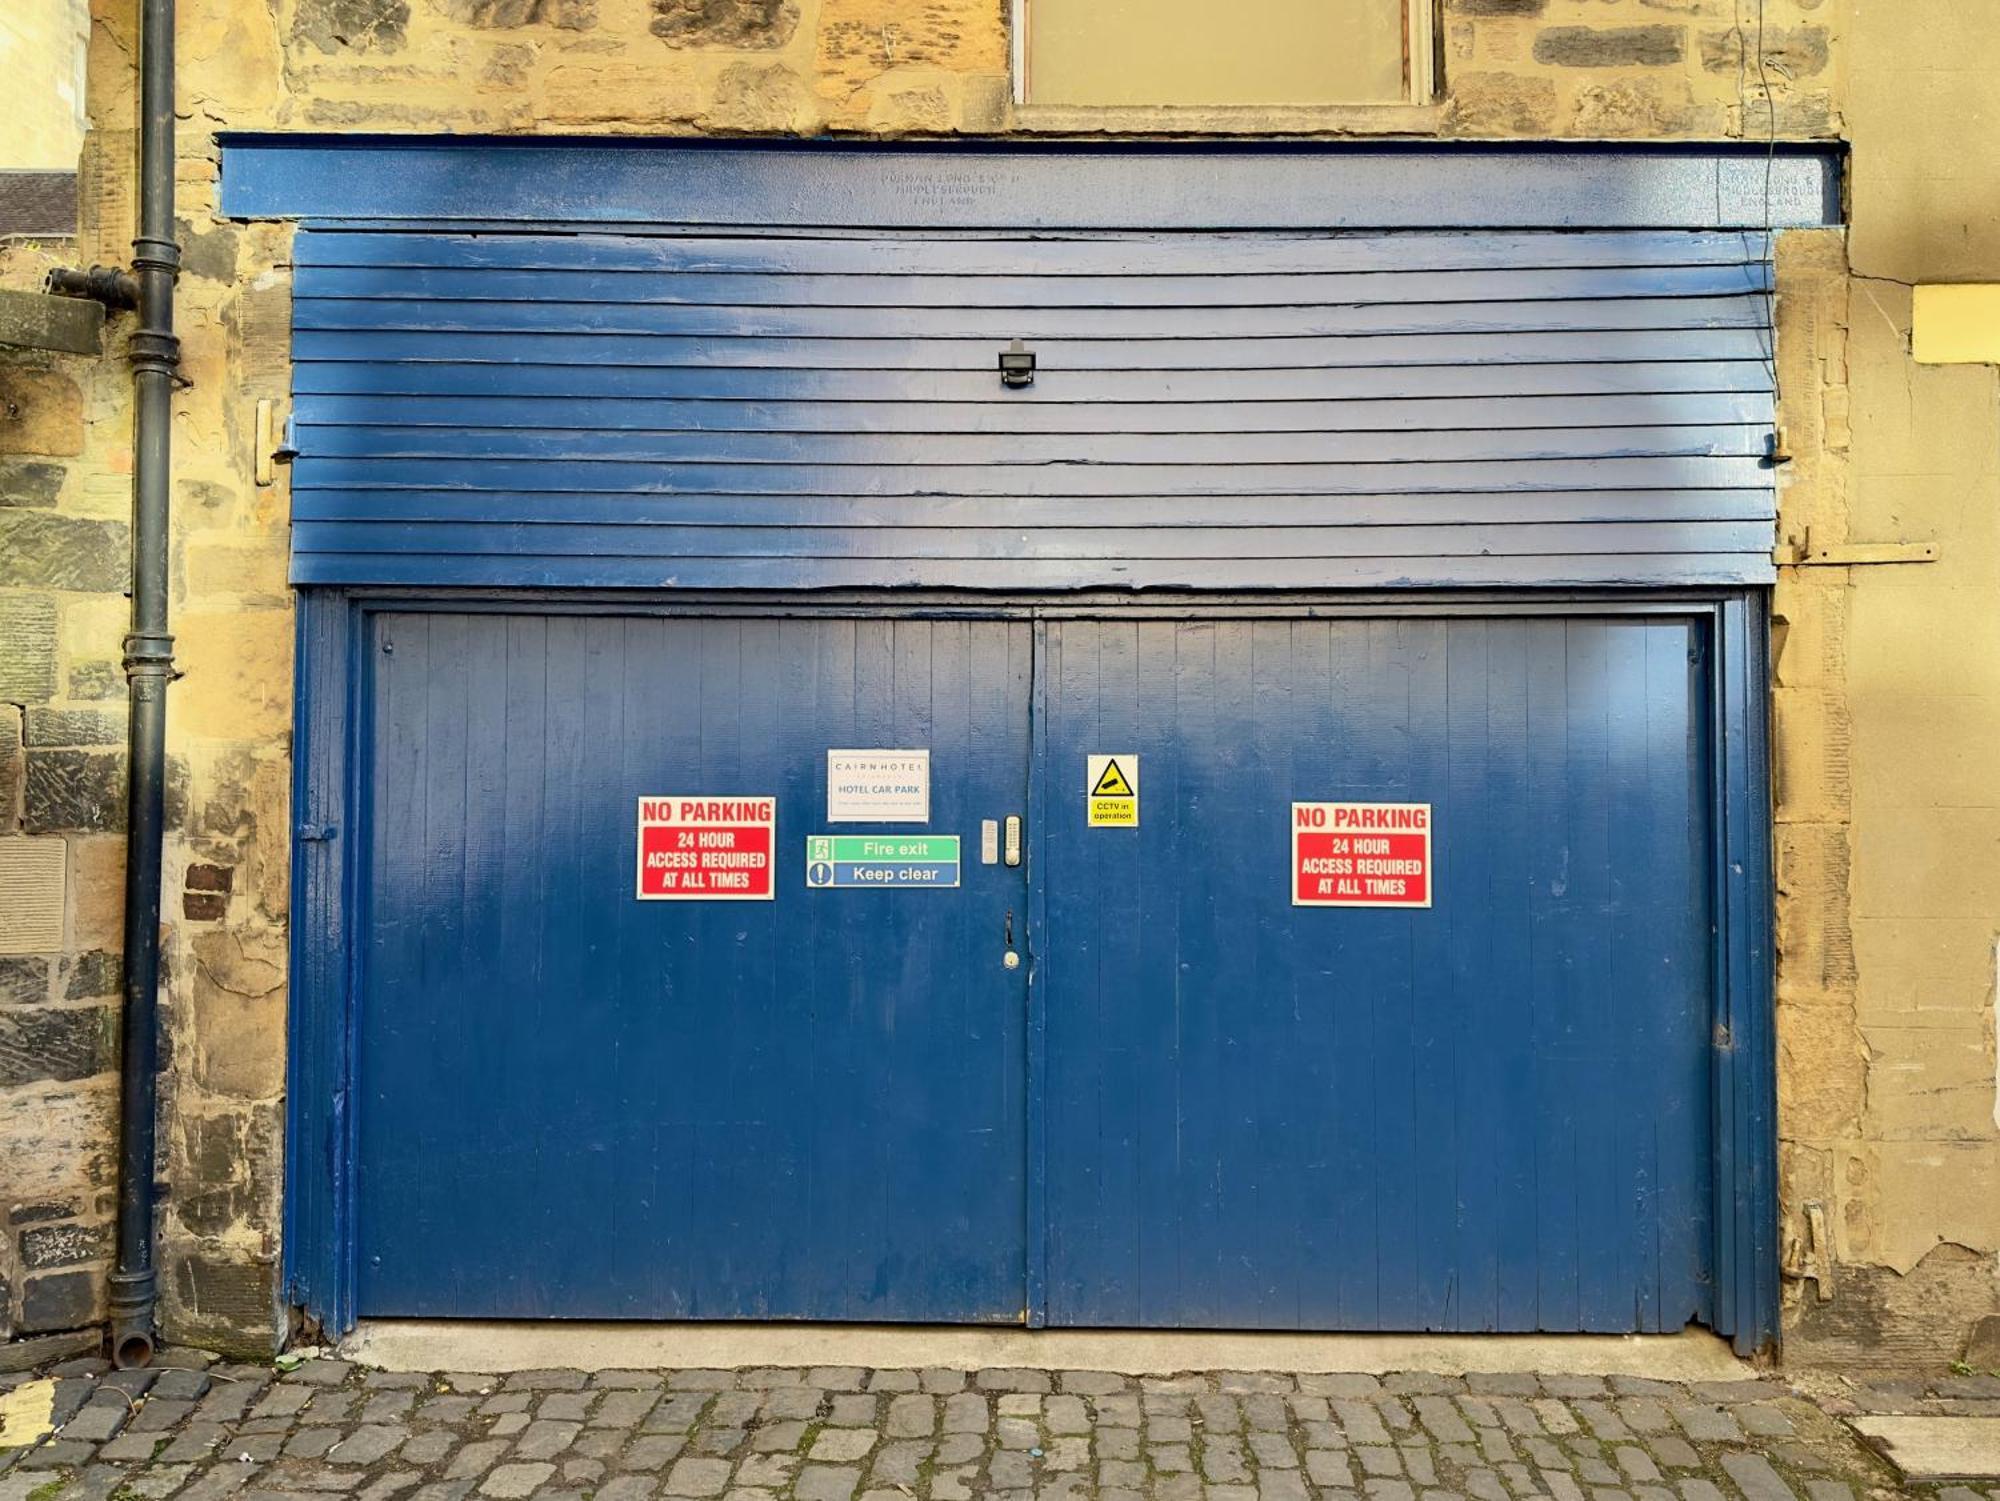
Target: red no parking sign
[706, 848]
[1361, 854]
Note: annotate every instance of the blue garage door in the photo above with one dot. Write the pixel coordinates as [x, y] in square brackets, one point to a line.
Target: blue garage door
[699, 379]
[574, 1103]
[1491, 1113]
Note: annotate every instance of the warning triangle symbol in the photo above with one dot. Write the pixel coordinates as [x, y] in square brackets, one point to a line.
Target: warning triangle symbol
[1112, 783]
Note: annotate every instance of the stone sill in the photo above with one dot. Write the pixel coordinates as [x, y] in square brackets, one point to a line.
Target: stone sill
[1260, 120]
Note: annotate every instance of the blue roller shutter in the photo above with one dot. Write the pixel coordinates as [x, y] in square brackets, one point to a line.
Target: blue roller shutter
[1216, 410]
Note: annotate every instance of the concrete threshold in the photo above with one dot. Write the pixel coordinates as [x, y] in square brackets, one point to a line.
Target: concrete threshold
[452, 1345]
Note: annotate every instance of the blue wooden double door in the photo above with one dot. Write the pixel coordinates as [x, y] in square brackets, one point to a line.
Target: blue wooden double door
[1187, 1103]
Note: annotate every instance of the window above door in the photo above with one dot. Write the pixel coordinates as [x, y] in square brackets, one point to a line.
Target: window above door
[1187, 54]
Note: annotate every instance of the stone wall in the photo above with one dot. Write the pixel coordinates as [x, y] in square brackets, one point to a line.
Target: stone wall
[1891, 892]
[41, 48]
[1684, 69]
[63, 547]
[1886, 967]
[65, 498]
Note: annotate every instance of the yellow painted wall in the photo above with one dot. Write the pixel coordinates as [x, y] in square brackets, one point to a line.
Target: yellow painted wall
[41, 59]
[1955, 324]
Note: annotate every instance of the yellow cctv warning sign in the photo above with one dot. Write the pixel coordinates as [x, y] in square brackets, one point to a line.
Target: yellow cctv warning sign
[1111, 792]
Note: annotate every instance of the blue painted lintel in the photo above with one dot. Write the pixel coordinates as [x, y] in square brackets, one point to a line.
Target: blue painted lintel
[1036, 186]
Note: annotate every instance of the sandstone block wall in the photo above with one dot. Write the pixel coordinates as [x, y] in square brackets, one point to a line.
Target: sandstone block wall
[1887, 916]
[41, 51]
[63, 561]
[1683, 69]
[1890, 891]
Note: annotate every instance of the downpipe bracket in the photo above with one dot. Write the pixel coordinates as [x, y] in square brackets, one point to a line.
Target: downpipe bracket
[156, 353]
[149, 254]
[150, 656]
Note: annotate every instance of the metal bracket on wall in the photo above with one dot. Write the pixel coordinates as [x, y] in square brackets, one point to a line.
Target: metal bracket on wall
[1806, 553]
[274, 441]
[1807, 1254]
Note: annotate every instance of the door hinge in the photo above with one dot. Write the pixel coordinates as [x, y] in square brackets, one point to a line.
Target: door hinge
[1806, 553]
[313, 833]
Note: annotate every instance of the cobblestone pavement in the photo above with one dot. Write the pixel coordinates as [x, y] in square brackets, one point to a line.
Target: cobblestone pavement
[204, 1433]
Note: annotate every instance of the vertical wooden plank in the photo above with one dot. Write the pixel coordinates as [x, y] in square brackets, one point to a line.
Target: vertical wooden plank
[760, 1131]
[1432, 936]
[1593, 1010]
[1512, 895]
[1681, 830]
[1635, 1026]
[1227, 960]
[1277, 1108]
[989, 1044]
[956, 929]
[713, 1035]
[1555, 1116]
[1357, 1207]
[1122, 878]
[1069, 1144]
[1317, 1003]
[797, 776]
[675, 676]
[331, 713]
[584, 1008]
[639, 1065]
[1047, 972]
[1470, 1009]
[476, 658]
[850, 678]
[1746, 1255]
[1681, 836]
[1230, 938]
[423, 1018]
[394, 921]
[1157, 999]
[1732, 1243]
[898, 925]
[1385, 951]
[1198, 677]
[532, 700]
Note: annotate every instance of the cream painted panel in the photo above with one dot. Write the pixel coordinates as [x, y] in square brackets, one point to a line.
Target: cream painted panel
[1163, 52]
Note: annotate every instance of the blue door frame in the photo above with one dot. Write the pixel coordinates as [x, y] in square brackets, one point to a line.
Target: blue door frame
[332, 723]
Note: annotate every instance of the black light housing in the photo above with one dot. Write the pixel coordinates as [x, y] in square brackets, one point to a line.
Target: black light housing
[1017, 365]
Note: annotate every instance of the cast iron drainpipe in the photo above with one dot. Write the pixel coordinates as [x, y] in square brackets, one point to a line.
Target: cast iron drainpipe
[149, 666]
